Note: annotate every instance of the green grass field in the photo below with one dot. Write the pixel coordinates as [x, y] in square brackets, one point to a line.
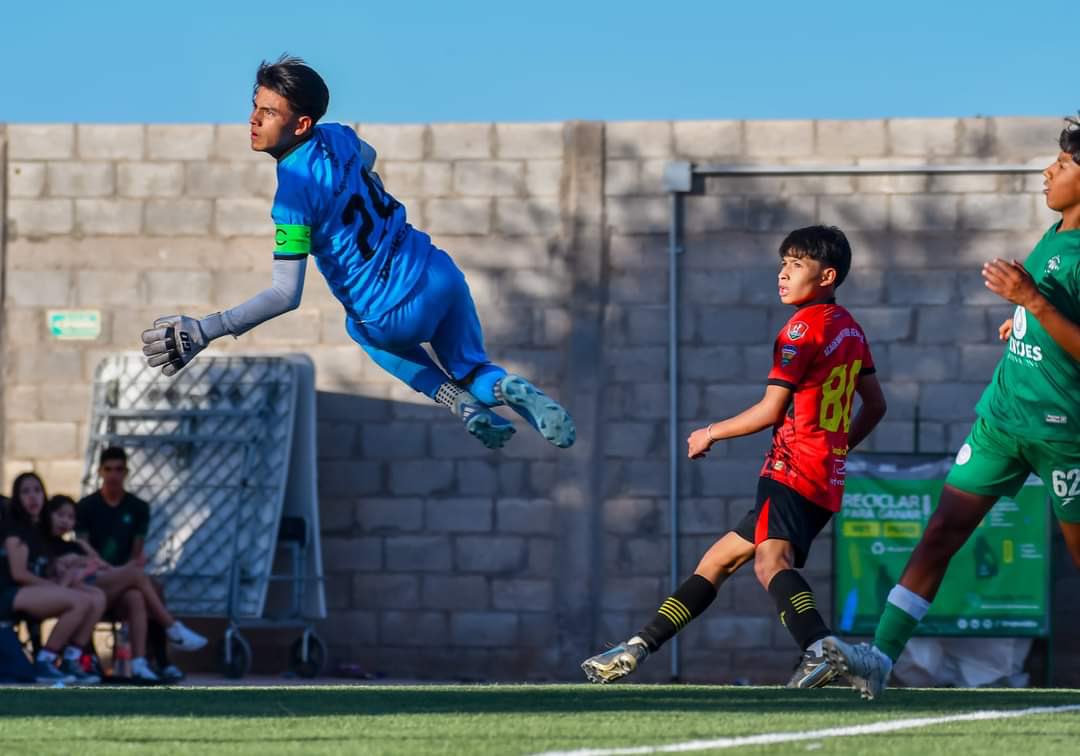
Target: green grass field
[514, 719]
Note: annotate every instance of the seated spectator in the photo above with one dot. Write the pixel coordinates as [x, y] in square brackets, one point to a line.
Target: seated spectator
[114, 523]
[24, 590]
[128, 590]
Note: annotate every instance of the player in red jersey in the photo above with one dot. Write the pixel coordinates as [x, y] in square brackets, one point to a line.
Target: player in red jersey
[821, 358]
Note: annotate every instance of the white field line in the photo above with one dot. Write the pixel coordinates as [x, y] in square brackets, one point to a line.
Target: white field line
[769, 738]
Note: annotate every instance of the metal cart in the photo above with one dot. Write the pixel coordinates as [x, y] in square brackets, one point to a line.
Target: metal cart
[225, 454]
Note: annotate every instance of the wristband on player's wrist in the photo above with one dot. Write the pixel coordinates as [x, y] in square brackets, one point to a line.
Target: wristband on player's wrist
[213, 327]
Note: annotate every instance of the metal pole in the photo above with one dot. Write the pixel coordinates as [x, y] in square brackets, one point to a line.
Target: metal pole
[724, 169]
[674, 248]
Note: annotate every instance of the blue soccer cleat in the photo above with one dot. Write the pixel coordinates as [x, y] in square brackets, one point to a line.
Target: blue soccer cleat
[490, 429]
[481, 423]
[539, 410]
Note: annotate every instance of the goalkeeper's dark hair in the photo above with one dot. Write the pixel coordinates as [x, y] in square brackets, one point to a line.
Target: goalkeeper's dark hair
[826, 244]
[1069, 140]
[297, 82]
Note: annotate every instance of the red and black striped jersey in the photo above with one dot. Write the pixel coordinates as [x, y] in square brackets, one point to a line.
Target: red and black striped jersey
[819, 355]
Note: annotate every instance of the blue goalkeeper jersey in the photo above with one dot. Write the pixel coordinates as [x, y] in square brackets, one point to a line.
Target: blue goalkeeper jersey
[330, 204]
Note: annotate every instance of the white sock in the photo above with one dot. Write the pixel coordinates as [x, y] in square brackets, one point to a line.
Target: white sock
[71, 653]
[910, 602]
[639, 640]
[816, 648]
[45, 655]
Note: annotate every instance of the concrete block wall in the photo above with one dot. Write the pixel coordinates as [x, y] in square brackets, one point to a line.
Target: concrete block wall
[447, 560]
[918, 243]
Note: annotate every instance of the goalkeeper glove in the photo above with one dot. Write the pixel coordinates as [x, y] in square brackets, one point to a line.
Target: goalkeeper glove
[174, 341]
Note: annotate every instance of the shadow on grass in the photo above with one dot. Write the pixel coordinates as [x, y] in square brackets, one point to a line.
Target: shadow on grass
[397, 700]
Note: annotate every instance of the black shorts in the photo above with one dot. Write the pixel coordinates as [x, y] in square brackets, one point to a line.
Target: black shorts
[785, 515]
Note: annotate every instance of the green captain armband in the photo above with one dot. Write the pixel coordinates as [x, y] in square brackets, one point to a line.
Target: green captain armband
[291, 241]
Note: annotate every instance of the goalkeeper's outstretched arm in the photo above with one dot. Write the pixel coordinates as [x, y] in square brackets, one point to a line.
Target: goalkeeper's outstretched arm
[175, 339]
[286, 288]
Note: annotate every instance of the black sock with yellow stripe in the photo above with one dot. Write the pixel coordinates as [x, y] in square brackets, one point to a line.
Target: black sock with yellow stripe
[798, 609]
[688, 601]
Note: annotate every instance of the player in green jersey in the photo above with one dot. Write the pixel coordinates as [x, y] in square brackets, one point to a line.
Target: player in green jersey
[1028, 422]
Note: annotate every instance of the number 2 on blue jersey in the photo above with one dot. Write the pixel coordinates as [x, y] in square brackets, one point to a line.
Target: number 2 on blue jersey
[356, 206]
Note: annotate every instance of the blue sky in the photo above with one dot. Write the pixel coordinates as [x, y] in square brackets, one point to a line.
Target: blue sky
[399, 61]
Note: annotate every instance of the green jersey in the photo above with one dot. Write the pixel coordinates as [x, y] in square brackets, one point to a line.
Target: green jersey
[1035, 391]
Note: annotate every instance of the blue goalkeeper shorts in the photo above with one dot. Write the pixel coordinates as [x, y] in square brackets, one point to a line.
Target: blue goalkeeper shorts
[439, 311]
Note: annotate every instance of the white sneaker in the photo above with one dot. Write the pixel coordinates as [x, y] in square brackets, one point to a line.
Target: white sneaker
[183, 638]
[140, 670]
[46, 672]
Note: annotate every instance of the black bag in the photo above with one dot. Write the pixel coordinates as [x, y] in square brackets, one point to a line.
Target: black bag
[14, 665]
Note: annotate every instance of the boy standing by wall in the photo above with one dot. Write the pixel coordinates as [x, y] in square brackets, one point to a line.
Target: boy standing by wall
[821, 358]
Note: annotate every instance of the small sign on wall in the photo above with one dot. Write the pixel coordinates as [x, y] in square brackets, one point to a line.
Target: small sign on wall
[74, 325]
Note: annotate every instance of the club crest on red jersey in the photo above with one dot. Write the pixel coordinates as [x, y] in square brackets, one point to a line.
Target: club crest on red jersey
[797, 330]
